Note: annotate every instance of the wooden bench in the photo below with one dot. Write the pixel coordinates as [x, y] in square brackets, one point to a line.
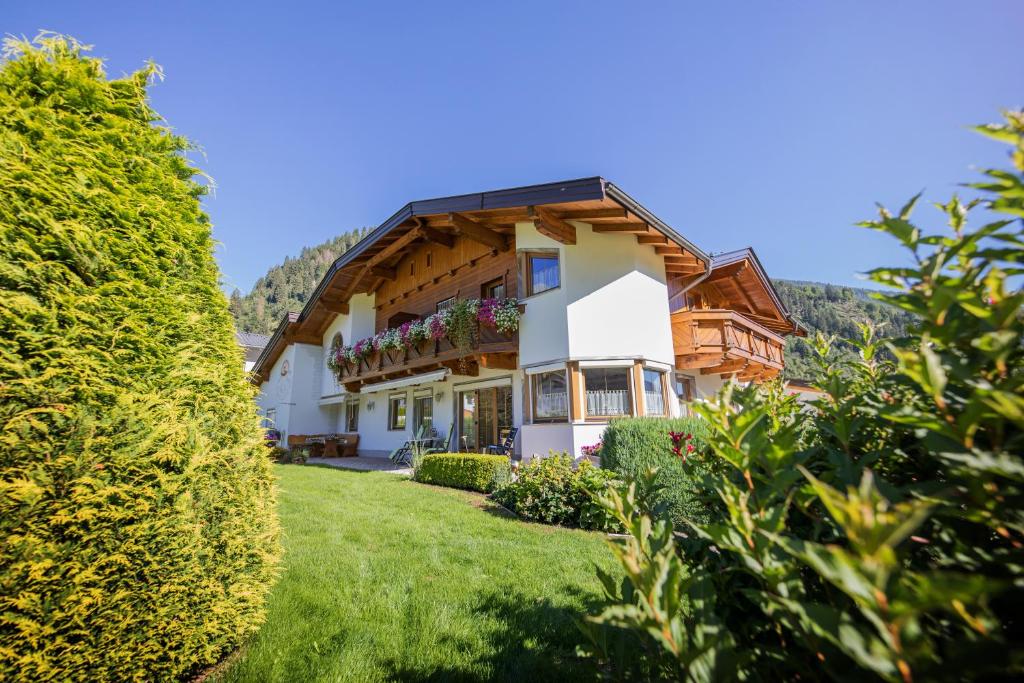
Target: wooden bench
[347, 445]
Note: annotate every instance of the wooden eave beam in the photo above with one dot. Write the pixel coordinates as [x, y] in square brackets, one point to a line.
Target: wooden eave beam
[334, 305]
[436, 236]
[651, 239]
[668, 249]
[478, 232]
[384, 272]
[639, 228]
[587, 214]
[550, 225]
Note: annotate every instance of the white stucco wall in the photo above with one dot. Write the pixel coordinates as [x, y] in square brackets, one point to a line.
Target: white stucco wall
[376, 439]
[616, 298]
[276, 392]
[543, 328]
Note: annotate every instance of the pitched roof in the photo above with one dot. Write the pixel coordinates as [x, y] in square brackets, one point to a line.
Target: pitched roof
[594, 200]
[740, 273]
[251, 340]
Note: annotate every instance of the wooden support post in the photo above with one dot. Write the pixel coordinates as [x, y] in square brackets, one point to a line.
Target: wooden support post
[638, 389]
[575, 393]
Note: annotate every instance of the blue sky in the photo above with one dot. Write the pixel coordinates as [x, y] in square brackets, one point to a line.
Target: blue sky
[770, 124]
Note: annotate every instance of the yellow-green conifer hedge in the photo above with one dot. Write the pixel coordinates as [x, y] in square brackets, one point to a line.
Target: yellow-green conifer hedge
[138, 533]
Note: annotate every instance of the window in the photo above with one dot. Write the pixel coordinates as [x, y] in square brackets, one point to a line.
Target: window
[607, 391]
[539, 271]
[495, 289]
[686, 391]
[486, 417]
[430, 259]
[270, 421]
[446, 304]
[423, 413]
[550, 396]
[396, 413]
[352, 416]
[654, 393]
[412, 267]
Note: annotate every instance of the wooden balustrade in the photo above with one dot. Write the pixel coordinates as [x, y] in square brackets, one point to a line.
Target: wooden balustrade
[488, 348]
[725, 342]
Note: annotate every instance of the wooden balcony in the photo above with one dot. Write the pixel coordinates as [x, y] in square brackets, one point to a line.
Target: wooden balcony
[489, 349]
[722, 342]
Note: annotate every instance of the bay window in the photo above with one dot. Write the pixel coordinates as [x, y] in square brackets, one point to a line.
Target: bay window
[654, 392]
[550, 396]
[607, 392]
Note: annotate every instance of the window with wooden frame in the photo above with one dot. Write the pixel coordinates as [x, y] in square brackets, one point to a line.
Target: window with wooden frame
[686, 391]
[607, 392]
[654, 392]
[352, 416]
[495, 289]
[445, 304]
[430, 259]
[550, 396]
[396, 413]
[423, 413]
[539, 271]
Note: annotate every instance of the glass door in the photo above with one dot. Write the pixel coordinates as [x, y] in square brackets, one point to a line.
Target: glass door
[485, 418]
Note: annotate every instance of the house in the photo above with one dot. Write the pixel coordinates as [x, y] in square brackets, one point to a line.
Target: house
[252, 345]
[618, 314]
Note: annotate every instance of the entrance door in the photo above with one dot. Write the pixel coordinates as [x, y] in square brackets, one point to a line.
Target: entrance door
[485, 418]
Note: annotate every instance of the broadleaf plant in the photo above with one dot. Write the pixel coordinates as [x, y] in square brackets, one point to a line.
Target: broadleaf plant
[877, 533]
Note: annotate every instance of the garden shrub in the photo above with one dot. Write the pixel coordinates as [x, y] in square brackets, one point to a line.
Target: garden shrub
[473, 471]
[877, 534]
[552, 491]
[631, 446]
[138, 533]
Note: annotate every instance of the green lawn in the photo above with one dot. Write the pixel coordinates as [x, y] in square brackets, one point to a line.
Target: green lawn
[384, 578]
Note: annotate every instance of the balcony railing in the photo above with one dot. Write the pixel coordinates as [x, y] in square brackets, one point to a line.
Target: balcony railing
[726, 342]
[488, 348]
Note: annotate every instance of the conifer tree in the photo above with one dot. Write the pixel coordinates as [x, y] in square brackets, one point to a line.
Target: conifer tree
[138, 535]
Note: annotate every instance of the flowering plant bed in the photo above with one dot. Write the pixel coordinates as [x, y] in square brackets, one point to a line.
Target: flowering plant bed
[457, 324]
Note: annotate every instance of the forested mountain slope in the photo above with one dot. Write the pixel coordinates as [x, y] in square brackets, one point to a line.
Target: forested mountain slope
[832, 309]
[287, 286]
[829, 308]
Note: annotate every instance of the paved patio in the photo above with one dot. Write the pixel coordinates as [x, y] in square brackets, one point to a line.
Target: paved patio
[362, 463]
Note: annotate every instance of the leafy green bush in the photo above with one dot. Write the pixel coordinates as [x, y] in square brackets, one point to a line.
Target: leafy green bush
[879, 535]
[473, 471]
[552, 491]
[631, 446]
[138, 534]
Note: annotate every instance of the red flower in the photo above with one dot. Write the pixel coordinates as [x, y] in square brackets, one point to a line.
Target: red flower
[690, 448]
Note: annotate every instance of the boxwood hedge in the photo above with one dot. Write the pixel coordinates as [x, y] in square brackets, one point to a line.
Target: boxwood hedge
[472, 471]
[138, 536]
[633, 445]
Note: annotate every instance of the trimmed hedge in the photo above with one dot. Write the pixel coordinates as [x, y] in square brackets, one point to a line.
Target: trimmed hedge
[633, 445]
[138, 533]
[473, 471]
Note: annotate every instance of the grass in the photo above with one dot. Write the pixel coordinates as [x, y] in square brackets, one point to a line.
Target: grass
[387, 579]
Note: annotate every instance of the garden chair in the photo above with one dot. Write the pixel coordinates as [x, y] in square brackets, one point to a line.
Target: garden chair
[506, 446]
[402, 455]
[443, 447]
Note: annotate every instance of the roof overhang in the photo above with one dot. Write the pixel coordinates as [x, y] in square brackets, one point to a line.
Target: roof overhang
[745, 267]
[591, 200]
